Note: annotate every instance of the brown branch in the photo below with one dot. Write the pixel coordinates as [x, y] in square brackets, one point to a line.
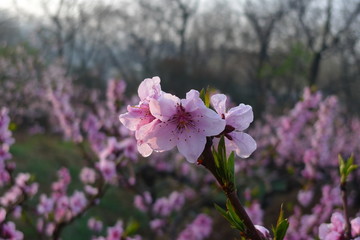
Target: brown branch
[346, 211]
[208, 162]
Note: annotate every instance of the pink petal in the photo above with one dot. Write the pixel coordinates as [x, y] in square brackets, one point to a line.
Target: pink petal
[324, 230]
[164, 107]
[145, 130]
[149, 88]
[208, 122]
[338, 222]
[129, 120]
[246, 145]
[264, 231]
[191, 145]
[192, 101]
[136, 116]
[355, 226]
[218, 101]
[144, 149]
[162, 137]
[240, 117]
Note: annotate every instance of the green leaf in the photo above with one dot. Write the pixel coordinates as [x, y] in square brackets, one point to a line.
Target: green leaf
[239, 224]
[216, 159]
[281, 226]
[281, 230]
[346, 167]
[222, 148]
[221, 210]
[231, 167]
[224, 214]
[281, 215]
[131, 227]
[205, 96]
[231, 217]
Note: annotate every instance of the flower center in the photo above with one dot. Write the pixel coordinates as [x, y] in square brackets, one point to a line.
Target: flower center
[182, 119]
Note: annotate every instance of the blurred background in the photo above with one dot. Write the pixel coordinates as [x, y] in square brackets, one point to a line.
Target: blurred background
[258, 52]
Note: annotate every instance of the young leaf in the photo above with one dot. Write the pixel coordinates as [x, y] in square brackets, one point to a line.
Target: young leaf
[231, 217]
[226, 215]
[205, 96]
[281, 226]
[231, 168]
[346, 167]
[131, 228]
[222, 148]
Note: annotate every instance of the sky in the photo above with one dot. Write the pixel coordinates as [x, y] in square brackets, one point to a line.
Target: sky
[35, 6]
[32, 6]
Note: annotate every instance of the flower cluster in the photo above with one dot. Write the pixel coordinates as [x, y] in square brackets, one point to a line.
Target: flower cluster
[336, 229]
[17, 190]
[5, 142]
[199, 229]
[116, 232]
[162, 121]
[60, 208]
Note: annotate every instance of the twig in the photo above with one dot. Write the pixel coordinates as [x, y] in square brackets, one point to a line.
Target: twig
[346, 210]
[209, 163]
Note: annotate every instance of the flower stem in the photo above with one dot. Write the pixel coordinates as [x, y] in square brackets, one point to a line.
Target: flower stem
[251, 231]
[208, 162]
[346, 210]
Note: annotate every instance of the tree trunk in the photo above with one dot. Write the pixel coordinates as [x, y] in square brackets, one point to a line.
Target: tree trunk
[315, 68]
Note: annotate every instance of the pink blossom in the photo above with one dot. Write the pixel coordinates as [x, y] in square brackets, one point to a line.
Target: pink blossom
[50, 228]
[17, 212]
[338, 222]
[176, 200]
[87, 175]
[263, 231]
[21, 179]
[139, 203]
[139, 116]
[129, 148]
[115, 232]
[199, 229]
[255, 212]
[46, 205]
[143, 201]
[157, 224]
[108, 170]
[355, 226]
[304, 197]
[9, 231]
[202, 225]
[91, 190]
[95, 225]
[31, 189]
[237, 120]
[11, 196]
[2, 215]
[62, 210]
[162, 207]
[115, 93]
[183, 123]
[78, 202]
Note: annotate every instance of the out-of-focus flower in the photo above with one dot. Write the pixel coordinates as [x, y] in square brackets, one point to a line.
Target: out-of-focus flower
[95, 225]
[88, 175]
[199, 229]
[78, 202]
